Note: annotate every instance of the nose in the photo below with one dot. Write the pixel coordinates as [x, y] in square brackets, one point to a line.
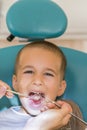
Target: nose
[38, 80]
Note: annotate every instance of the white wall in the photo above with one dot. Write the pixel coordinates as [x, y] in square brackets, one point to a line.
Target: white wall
[4, 6]
[76, 11]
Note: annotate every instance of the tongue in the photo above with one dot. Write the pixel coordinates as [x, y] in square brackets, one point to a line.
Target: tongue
[36, 98]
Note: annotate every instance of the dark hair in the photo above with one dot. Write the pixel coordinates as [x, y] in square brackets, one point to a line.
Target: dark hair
[47, 46]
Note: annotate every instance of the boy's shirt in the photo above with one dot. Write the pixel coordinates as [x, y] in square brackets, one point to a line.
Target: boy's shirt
[13, 119]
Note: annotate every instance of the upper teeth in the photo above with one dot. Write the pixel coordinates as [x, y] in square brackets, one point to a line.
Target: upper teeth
[39, 94]
[35, 93]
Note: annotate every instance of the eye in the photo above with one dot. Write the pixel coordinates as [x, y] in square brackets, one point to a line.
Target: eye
[28, 72]
[49, 74]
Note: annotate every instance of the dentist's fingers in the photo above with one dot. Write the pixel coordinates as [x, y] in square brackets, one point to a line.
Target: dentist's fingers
[2, 91]
[3, 88]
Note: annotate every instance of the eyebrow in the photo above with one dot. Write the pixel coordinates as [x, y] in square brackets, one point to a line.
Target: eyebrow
[27, 67]
[48, 69]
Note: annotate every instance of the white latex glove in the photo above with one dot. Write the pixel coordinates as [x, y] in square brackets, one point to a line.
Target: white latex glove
[3, 88]
[51, 119]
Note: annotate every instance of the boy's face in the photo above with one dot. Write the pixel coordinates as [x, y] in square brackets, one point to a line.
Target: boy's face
[38, 76]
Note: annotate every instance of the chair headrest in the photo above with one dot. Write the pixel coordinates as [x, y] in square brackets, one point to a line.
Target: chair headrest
[36, 19]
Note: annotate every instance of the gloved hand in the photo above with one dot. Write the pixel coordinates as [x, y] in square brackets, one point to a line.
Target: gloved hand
[50, 119]
[3, 88]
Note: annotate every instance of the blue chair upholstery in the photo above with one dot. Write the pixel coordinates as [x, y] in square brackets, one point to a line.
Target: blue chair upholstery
[36, 19]
[76, 76]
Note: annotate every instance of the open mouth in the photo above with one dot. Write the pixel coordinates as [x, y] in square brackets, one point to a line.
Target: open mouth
[34, 102]
[36, 99]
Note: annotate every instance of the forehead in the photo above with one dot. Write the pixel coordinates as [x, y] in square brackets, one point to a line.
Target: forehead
[53, 49]
[40, 51]
[39, 55]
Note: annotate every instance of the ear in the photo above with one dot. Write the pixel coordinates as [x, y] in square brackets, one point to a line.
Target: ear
[62, 88]
[14, 82]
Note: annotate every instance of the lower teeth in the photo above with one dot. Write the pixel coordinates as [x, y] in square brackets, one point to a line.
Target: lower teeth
[36, 97]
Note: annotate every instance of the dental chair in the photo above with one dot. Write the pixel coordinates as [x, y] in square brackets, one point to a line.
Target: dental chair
[47, 20]
[76, 76]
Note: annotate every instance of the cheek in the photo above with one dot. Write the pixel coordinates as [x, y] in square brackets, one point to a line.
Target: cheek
[53, 88]
[53, 84]
[21, 82]
[22, 85]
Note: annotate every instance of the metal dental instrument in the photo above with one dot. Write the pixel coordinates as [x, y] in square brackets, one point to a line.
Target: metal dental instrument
[69, 113]
[17, 93]
[49, 100]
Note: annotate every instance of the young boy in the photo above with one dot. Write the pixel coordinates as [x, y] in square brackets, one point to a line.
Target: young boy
[39, 75]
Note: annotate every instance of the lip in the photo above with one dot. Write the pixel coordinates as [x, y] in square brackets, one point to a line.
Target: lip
[36, 99]
[37, 93]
